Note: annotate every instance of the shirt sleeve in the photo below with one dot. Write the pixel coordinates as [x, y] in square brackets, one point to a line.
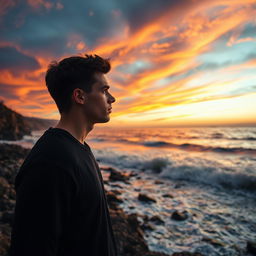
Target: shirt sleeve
[43, 206]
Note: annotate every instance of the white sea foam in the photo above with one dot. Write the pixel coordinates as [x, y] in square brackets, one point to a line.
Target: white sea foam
[193, 169]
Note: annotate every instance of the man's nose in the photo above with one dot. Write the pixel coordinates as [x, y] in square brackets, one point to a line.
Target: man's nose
[111, 98]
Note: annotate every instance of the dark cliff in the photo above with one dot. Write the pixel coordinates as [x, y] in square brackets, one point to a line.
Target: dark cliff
[13, 126]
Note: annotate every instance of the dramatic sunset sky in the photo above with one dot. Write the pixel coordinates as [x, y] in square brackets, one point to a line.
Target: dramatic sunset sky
[174, 62]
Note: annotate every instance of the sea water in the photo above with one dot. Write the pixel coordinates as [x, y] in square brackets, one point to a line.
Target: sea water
[208, 172]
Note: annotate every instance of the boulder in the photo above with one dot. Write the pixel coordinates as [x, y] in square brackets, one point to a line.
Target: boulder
[157, 220]
[112, 197]
[145, 198]
[168, 195]
[118, 176]
[159, 182]
[176, 215]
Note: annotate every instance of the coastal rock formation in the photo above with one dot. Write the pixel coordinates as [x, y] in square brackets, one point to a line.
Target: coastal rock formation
[12, 125]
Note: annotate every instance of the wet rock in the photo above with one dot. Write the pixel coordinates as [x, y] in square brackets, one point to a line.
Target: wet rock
[145, 218]
[179, 215]
[134, 224]
[107, 169]
[212, 241]
[168, 195]
[7, 217]
[112, 197]
[187, 254]
[157, 220]
[159, 182]
[4, 243]
[117, 192]
[130, 240]
[145, 198]
[7, 195]
[116, 186]
[179, 185]
[4, 186]
[251, 247]
[147, 226]
[133, 174]
[117, 176]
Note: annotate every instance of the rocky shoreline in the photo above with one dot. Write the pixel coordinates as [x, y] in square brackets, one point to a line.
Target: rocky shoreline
[128, 230]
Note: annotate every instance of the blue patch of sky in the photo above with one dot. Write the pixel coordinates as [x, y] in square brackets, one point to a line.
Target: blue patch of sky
[222, 55]
[243, 88]
[135, 67]
[249, 31]
[171, 79]
[38, 26]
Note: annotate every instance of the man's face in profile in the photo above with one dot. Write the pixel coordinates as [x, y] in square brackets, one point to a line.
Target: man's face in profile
[98, 102]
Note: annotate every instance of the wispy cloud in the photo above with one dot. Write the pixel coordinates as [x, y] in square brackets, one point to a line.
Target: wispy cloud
[166, 55]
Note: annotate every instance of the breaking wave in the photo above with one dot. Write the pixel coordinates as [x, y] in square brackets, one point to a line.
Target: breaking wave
[199, 170]
[195, 147]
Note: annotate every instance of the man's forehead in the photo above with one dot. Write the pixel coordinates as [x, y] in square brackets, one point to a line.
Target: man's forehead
[101, 79]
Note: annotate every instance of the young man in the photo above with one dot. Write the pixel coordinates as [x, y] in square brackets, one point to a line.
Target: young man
[61, 208]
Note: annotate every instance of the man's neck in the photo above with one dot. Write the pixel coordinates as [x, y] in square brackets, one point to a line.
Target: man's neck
[75, 125]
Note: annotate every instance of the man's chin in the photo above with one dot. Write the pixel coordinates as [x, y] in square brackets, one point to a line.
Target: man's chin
[105, 120]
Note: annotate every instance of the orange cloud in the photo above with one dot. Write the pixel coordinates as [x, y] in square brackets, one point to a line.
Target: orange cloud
[169, 44]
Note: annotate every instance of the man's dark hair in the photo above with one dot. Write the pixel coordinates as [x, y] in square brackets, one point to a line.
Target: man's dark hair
[71, 73]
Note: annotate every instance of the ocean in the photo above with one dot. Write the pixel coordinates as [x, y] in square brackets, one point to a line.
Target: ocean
[209, 173]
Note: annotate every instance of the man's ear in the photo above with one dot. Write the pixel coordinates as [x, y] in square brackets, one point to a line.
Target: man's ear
[78, 96]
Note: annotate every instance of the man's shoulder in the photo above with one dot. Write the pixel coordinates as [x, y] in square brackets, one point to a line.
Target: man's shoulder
[51, 154]
[55, 143]
[54, 148]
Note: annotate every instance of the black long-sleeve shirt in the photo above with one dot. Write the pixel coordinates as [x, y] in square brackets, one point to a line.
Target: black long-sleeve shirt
[61, 207]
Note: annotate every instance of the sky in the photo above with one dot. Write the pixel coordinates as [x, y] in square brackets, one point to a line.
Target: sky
[186, 62]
